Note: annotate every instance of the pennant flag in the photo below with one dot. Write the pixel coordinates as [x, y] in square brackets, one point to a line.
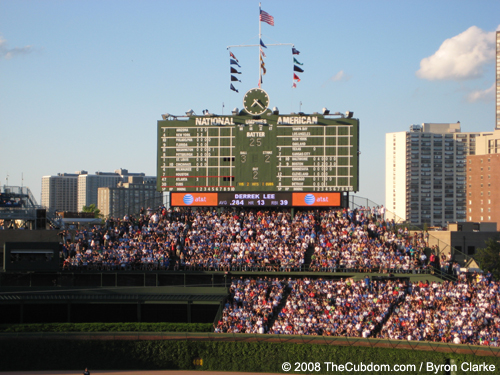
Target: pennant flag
[266, 17]
[233, 79]
[234, 62]
[295, 51]
[262, 44]
[262, 52]
[233, 88]
[234, 71]
[232, 55]
[296, 77]
[262, 65]
[296, 62]
[297, 69]
[294, 86]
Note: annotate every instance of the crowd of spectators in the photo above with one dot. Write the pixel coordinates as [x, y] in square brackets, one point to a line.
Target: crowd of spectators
[251, 305]
[193, 240]
[351, 240]
[248, 240]
[464, 312]
[337, 307]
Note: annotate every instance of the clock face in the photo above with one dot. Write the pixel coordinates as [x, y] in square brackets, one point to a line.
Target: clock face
[256, 101]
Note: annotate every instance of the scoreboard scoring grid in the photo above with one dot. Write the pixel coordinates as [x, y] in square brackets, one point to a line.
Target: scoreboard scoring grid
[276, 153]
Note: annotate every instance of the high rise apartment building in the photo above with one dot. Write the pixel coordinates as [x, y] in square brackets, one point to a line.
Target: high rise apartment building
[59, 193]
[426, 173]
[483, 180]
[88, 184]
[72, 191]
[129, 197]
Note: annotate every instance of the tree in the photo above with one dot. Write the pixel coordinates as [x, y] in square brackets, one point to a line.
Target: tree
[489, 257]
[92, 209]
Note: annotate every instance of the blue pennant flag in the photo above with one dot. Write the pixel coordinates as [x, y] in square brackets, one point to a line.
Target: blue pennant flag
[262, 44]
[233, 88]
[234, 62]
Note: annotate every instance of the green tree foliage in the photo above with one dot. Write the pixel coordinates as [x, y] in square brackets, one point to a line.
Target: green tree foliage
[92, 209]
[489, 257]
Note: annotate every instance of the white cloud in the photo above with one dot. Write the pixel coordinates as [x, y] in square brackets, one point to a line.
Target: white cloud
[461, 57]
[487, 95]
[340, 76]
[7, 53]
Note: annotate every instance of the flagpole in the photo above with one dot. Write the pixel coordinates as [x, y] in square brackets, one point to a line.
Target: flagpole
[260, 39]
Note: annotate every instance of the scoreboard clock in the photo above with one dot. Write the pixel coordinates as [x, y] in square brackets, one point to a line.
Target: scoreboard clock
[256, 101]
[258, 151]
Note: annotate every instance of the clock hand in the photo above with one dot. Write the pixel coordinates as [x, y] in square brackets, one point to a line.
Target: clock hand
[256, 101]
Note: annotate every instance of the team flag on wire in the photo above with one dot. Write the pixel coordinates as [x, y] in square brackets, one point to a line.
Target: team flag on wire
[262, 44]
[295, 61]
[262, 53]
[232, 55]
[267, 18]
[297, 69]
[234, 62]
[296, 77]
[234, 71]
[234, 79]
[295, 51]
[233, 88]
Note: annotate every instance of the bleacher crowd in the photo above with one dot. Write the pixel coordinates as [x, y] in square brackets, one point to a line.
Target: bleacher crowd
[466, 312]
[251, 240]
[336, 240]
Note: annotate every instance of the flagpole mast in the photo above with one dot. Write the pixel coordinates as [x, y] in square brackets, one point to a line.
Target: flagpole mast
[260, 38]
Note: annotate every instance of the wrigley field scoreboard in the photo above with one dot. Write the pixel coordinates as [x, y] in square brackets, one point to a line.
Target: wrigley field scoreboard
[255, 155]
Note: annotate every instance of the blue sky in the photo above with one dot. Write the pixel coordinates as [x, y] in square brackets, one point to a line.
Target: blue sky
[82, 83]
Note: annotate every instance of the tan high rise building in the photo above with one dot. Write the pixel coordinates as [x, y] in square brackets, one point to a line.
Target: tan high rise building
[426, 173]
[59, 193]
[127, 198]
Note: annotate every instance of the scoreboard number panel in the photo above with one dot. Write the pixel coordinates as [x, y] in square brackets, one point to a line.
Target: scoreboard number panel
[255, 163]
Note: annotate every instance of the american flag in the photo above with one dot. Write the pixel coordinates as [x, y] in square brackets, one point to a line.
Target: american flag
[267, 18]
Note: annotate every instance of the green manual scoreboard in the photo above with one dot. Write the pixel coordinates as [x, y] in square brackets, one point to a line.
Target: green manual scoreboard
[258, 150]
